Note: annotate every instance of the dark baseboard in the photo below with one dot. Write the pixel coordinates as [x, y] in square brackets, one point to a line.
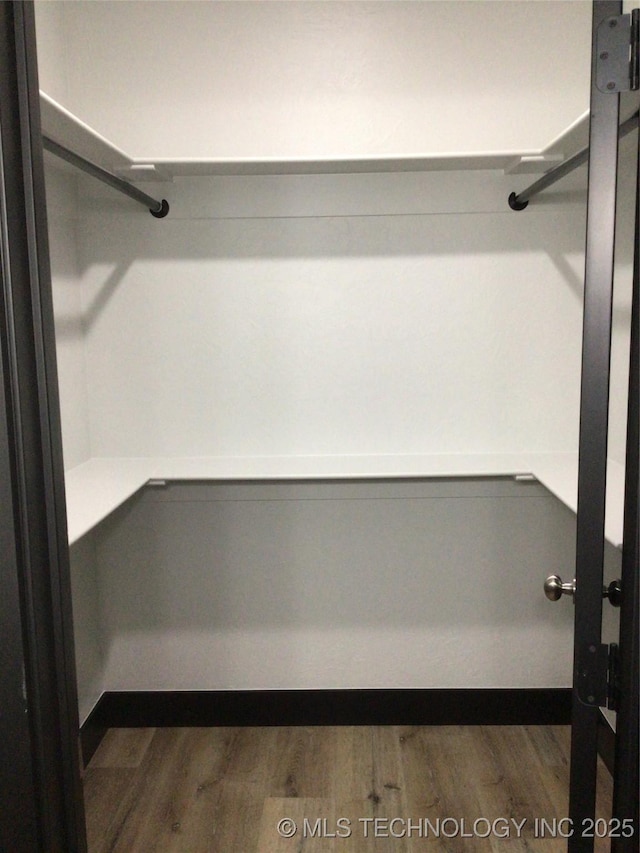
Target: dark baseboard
[470, 707]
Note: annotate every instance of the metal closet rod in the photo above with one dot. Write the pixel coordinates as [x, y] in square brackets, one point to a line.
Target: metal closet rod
[159, 209]
[520, 200]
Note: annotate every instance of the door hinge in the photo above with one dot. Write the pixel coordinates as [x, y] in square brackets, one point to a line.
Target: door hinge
[598, 677]
[617, 57]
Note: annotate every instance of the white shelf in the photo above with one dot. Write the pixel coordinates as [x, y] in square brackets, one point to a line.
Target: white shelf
[99, 486]
[559, 473]
[68, 130]
[496, 160]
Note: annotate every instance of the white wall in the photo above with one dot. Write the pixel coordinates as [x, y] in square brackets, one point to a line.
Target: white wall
[87, 628]
[345, 314]
[333, 314]
[336, 585]
[53, 48]
[345, 79]
[62, 213]
[319, 334]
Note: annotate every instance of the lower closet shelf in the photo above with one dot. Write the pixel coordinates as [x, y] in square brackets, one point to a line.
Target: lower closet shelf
[97, 487]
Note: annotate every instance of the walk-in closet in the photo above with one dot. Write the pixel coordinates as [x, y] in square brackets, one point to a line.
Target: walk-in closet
[321, 411]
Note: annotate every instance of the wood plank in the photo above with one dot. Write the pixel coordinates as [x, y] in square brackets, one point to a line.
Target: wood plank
[304, 762]
[104, 790]
[240, 790]
[297, 824]
[122, 748]
[226, 789]
[165, 800]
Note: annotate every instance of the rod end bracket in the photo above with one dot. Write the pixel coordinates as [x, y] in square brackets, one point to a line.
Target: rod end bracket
[164, 209]
[514, 204]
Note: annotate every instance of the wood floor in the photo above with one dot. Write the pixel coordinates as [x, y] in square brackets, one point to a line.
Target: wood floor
[225, 790]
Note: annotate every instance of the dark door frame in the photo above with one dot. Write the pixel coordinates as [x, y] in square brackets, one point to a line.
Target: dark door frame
[40, 772]
[591, 657]
[594, 415]
[626, 776]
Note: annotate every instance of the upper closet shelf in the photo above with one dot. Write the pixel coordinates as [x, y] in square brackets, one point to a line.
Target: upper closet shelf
[68, 130]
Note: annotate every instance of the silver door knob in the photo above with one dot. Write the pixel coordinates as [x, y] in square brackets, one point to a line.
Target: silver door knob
[555, 589]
